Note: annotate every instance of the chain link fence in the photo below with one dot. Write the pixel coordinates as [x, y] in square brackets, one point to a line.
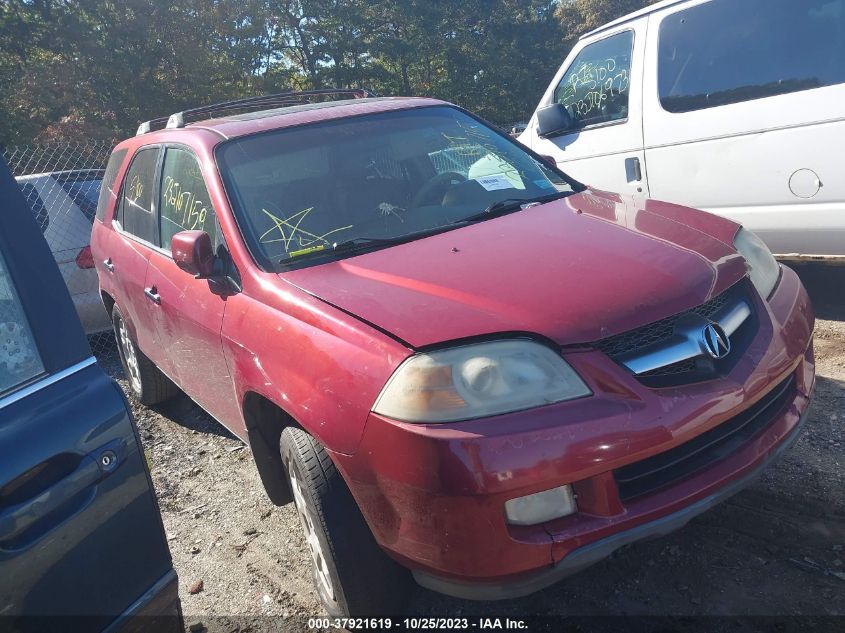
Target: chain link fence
[61, 183]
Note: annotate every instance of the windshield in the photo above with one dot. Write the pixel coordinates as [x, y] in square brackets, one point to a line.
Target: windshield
[300, 192]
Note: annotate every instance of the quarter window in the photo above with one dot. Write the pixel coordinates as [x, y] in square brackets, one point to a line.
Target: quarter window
[136, 214]
[109, 178]
[185, 204]
[19, 358]
[725, 52]
[596, 87]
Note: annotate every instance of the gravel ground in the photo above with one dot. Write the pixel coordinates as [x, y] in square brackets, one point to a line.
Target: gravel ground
[774, 549]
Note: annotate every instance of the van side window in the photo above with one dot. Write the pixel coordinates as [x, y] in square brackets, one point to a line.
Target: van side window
[185, 204]
[107, 186]
[725, 52]
[595, 88]
[136, 214]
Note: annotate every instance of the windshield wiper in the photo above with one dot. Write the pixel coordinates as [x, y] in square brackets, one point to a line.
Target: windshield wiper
[509, 205]
[364, 242]
[358, 242]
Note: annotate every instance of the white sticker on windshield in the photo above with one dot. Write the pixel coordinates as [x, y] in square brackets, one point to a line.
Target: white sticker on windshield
[494, 182]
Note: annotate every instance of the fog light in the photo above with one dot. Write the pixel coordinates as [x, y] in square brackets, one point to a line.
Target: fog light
[541, 506]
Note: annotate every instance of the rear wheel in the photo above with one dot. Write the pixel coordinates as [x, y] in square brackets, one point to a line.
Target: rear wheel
[148, 384]
[352, 574]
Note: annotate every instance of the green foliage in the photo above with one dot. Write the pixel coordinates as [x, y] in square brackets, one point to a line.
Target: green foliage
[579, 16]
[95, 68]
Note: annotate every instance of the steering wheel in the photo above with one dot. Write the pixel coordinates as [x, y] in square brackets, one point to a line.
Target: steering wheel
[440, 181]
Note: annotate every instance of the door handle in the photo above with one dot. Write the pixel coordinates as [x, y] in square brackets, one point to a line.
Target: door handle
[152, 295]
[15, 520]
[633, 171]
[109, 266]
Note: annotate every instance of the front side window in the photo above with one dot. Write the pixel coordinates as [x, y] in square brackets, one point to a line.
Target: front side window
[596, 87]
[725, 51]
[19, 358]
[301, 193]
[184, 203]
[136, 215]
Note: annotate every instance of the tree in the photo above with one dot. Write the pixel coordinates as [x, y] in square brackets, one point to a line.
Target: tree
[95, 68]
[579, 16]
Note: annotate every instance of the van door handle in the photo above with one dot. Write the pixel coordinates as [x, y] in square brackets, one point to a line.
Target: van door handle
[633, 171]
[109, 266]
[152, 295]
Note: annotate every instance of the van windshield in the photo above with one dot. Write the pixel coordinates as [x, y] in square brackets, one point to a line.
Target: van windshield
[372, 180]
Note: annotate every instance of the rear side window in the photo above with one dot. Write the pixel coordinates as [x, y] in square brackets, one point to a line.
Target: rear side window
[36, 205]
[596, 86]
[136, 214]
[19, 358]
[107, 186]
[725, 51]
[185, 204]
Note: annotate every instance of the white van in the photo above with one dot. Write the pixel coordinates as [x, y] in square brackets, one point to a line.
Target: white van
[732, 106]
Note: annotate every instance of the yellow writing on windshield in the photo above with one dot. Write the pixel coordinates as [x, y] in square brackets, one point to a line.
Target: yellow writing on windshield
[289, 233]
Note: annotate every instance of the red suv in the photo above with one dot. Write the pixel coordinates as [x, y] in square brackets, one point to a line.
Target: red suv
[452, 357]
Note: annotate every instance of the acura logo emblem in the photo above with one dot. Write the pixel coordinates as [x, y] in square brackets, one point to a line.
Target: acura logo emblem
[715, 341]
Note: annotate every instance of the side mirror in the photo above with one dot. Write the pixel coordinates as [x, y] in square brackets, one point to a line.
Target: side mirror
[554, 120]
[192, 253]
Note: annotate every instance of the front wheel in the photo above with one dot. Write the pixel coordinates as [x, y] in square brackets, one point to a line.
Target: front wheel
[353, 576]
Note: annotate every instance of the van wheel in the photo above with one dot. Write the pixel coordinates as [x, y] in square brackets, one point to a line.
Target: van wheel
[148, 384]
[353, 576]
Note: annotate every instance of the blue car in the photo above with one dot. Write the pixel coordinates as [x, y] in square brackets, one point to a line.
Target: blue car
[82, 545]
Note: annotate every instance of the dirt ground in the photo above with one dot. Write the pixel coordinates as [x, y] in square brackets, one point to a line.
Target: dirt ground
[774, 549]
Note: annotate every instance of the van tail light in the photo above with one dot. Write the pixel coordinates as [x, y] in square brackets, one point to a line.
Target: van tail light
[85, 259]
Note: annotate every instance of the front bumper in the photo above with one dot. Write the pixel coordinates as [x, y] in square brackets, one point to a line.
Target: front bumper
[588, 555]
[434, 494]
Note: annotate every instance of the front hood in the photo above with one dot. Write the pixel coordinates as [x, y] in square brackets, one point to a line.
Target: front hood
[575, 270]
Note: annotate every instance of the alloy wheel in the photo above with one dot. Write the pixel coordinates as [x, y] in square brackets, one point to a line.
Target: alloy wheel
[130, 357]
[312, 540]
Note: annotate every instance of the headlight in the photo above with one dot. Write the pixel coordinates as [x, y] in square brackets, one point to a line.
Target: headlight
[764, 268]
[478, 380]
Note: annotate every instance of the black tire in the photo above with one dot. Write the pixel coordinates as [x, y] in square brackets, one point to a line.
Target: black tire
[364, 581]
[148, 384]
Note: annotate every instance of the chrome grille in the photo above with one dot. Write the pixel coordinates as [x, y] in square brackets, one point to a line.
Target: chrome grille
[667, 352]
[634, 340]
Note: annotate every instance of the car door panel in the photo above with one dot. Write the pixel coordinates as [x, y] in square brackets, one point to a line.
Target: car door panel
[609, 154]
[73, 493]
[80, 530]
[186, 313]
[187, 324]
[130, 247]
[131, 259]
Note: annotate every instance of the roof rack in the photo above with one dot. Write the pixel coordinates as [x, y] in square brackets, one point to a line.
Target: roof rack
[178, 119]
